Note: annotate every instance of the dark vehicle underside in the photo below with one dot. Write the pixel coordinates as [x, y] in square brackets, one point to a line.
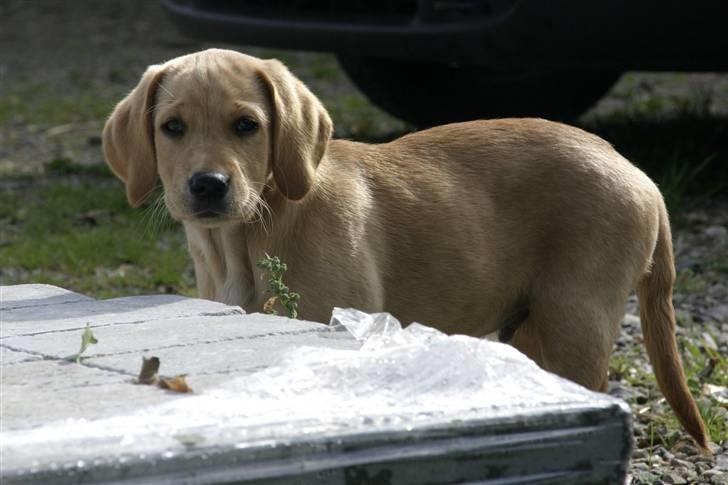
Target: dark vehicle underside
[435, 61]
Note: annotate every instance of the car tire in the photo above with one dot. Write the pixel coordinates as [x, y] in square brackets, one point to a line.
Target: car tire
[427, 94]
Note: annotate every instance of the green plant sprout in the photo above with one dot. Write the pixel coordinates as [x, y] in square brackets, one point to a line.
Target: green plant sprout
[87, 338]
[281, 293]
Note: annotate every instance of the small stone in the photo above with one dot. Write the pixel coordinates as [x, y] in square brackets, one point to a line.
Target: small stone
[709, 341]
[720, 313]
[684, 449]
[625, 392]
[702, 459]
[719, 233]
[721, 479]
[718, 291]
[631, 322]
[668, 456]
[641, 476]
[639, 453]
[682, 464]
[675, 478]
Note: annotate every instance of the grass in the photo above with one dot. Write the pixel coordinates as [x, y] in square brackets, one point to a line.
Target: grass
[38, 103]
[354, 117]
[66, 166]
[80, 233]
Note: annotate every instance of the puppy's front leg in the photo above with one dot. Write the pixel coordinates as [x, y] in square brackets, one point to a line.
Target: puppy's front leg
[203, 278]
[209, 272]
[239, 286]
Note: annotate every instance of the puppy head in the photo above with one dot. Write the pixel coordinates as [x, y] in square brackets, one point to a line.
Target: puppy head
[217, 127]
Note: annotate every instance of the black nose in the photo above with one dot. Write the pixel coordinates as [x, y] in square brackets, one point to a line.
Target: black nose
[209, 185]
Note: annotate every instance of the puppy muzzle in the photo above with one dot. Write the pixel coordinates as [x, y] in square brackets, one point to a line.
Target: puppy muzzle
[209, 194]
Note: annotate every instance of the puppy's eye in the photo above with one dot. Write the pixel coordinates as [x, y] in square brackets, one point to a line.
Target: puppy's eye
[174, 128]
[245, 126]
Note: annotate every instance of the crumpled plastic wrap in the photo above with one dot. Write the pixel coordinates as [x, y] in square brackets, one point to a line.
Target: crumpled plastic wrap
[398, 379]
[413, 370]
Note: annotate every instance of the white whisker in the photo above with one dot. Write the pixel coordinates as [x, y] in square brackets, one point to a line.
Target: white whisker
[154, 107]
[155, 215]
[163, 88]
[261, 209]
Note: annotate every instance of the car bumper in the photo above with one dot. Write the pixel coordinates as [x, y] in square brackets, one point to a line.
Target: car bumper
[502, 34]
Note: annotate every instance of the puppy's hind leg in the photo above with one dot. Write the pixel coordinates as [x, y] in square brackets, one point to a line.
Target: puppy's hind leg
[576, 338]
[525, 339]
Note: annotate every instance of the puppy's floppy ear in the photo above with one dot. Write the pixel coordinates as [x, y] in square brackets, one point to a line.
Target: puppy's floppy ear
[301, 130]
[129, 138]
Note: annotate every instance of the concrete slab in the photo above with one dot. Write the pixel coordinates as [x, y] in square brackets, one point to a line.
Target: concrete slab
[8, 356]
[35, 393]
[25, 319]
[285, 401]
[161, 333]
[229, 357]
[36, 295]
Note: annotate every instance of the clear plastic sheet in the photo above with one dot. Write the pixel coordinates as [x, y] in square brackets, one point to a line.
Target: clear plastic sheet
[398, 379]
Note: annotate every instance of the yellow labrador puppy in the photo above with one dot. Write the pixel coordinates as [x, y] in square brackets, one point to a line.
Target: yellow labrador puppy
[530, 228]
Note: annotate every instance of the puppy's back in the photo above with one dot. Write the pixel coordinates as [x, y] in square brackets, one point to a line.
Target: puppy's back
[496, 200]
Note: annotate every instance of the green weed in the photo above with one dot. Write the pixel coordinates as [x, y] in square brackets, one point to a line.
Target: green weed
[281, 293]
[622, 365]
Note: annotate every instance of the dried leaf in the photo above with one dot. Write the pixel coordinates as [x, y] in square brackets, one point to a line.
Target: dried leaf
[150, 375]
[87, 338]
[150, 368]
[269, 304]
[176, 384]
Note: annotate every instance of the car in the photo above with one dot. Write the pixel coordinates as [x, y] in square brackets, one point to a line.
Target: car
[436, 61]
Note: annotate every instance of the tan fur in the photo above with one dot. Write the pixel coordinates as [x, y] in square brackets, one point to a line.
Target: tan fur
[658, 326]
[449, 226]
[129, 141]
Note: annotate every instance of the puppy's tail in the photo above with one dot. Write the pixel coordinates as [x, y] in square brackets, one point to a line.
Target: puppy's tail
[657, 316]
